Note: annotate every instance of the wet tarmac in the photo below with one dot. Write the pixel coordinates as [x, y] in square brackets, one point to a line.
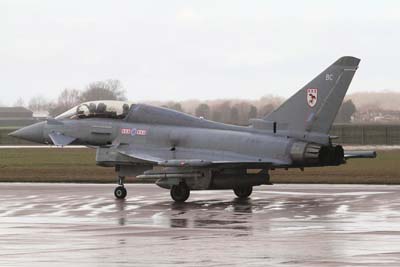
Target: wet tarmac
[281, 225]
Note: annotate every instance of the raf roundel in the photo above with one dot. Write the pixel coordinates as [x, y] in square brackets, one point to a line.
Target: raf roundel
[133, 131]
[312, 97]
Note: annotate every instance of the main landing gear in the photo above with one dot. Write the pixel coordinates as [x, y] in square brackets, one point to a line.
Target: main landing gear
[180, 192]
[120, 192]
[243, 192]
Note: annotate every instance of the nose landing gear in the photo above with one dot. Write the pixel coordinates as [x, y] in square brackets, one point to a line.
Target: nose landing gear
[120, 192]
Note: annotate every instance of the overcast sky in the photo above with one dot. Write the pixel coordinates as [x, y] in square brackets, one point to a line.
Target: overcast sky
[177, 50]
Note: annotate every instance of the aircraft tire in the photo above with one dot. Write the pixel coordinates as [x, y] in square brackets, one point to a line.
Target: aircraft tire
[180, 193]
[243, 192]
[120, 192]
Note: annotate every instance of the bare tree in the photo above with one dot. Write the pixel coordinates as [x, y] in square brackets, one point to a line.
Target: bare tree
[265, 110]
[345, 112]
[38, 103]
[222, 112]
[175, 106]
[19, 103]
[234, 116]
[203, 110]
[245, 111]
[253, 112]
[103, 90]
[66, 100]
[69, 98]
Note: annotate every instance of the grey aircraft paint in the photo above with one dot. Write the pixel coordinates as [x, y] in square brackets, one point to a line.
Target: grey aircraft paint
[186, 153]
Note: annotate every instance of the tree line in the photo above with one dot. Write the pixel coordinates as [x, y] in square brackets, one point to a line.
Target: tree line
[68, 98]
[227, 111]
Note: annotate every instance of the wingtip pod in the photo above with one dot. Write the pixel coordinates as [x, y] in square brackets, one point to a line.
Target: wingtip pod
[347, 61]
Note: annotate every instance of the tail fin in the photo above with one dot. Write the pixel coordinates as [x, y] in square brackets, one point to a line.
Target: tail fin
[314, 107]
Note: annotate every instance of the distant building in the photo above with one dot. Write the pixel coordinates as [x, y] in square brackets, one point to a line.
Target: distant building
[16, 117]
[41, 115]
[15, 112]
[377, 116]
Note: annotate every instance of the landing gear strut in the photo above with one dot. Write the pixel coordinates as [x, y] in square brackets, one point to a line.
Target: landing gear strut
[243, 192]
[120, 192]
[180, 192]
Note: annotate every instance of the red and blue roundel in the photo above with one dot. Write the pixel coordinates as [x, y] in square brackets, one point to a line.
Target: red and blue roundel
[133, 131]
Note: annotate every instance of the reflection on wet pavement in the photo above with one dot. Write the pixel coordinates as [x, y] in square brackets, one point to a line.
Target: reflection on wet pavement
[300, 225]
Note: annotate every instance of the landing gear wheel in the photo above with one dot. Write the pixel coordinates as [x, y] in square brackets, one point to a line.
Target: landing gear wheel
[243, 192]
[120, 192]
[180, 192]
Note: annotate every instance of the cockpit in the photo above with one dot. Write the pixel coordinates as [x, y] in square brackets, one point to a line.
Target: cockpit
[109, 109]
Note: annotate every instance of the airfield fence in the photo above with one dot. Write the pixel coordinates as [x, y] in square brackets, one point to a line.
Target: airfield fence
[366, 134]
[349, 134]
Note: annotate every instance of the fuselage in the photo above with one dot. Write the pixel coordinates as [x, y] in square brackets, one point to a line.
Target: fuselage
[163, 134]
[225, 141]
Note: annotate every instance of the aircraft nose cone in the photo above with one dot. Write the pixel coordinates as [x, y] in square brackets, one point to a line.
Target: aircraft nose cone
[32, 133]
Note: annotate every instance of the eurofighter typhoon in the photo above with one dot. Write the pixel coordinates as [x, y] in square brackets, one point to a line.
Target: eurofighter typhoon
[184, 153]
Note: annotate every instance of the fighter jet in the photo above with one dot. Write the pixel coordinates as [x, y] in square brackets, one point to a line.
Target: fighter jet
[184, 152]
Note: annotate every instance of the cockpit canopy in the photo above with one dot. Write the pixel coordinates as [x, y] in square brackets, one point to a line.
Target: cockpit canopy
[109, 109]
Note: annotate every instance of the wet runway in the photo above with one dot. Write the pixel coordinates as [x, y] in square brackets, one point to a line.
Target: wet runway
[281, 225]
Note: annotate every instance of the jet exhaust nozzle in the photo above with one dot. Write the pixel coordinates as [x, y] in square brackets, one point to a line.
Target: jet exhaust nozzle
[314, 154]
